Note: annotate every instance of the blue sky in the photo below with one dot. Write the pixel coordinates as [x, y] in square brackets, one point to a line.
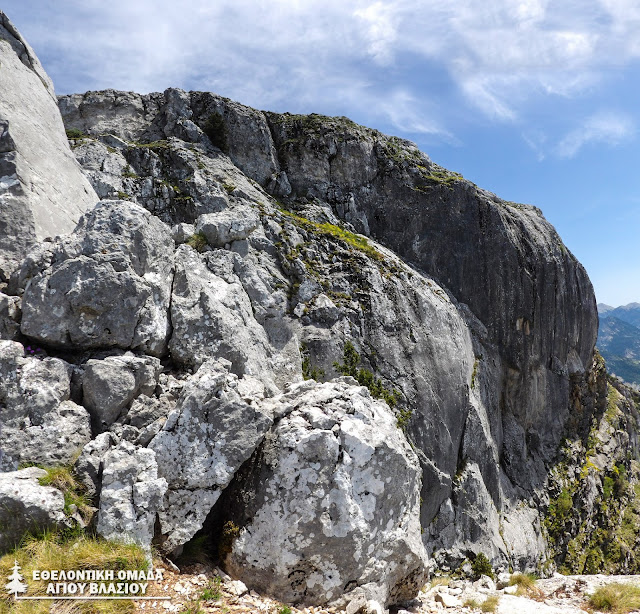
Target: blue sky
[535, 100]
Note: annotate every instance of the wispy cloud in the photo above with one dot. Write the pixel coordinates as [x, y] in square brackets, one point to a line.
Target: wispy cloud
[608, 128]
[496, 57]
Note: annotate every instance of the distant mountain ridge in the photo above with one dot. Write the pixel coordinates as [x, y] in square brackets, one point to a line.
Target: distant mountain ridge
[619, 340]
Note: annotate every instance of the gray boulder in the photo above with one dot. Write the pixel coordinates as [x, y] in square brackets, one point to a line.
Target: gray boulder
[109, 385]
[130, 496]
[330, 503]
[204, 441]
[40, 423]
[227, 226]
[107, 286]
[27, 506]
[42, 189]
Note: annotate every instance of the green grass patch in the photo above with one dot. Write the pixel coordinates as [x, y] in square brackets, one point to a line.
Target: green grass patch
[616, 597]
[74, 493]
[443, 177]
[212, 591]
[74, 133]
[335, 232]
[59, 550]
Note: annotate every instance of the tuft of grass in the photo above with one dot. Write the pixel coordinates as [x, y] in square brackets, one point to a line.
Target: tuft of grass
[439, 581]
[198, 241]
[332, 231]
[526, 583]
[74, 493]
[212, 591]
[64, 550]
[163, 144]
[490, 604]
[285, 609]
[616, 597]
[366, 378]
[191, 607]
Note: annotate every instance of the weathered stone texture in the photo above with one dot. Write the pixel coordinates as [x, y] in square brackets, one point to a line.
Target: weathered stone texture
[43, 191]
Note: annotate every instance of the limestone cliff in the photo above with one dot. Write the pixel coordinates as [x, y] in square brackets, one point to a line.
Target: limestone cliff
[42, 189]
[234, 257]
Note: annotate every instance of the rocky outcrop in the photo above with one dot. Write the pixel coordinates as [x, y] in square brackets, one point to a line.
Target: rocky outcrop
[109, 385]
[329, 504]
[187, 307]
[478, 384]
[42, 189]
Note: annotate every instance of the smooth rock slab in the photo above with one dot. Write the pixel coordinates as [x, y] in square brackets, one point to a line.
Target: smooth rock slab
[43, 191]
[212, 315]
[330, 504]
[204, 441]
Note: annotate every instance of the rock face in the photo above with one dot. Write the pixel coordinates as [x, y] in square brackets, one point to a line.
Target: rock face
[42, 189]
[130, 495]
[109, 385]
[484, 362]
[329, 504]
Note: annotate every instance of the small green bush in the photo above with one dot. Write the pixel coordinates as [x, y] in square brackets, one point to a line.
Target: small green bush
[216, 129]
[74, 133]
[481, 566]
[230, 532]
[310, 371]
[212, 591]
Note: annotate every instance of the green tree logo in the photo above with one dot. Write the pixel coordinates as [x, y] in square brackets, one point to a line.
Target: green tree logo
[15, 584]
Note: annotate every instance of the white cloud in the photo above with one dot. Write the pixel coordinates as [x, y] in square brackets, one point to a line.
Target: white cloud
[379, 57]
[608, 128]
[381, 30]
